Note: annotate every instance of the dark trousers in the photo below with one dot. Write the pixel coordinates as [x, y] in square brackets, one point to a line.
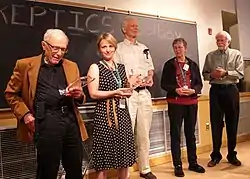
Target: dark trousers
[224, 101]
[177, 113]
[58, 138]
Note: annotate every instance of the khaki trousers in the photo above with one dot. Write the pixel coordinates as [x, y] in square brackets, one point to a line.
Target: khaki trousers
[140, 109]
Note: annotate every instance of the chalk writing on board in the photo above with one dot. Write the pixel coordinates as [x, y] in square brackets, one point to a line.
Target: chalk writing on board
[79, 26]
[160, 31]
[81, 23]
[20, 20]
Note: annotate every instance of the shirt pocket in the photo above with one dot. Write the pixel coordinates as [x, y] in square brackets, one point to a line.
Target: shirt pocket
[130, 62]
[231, 66]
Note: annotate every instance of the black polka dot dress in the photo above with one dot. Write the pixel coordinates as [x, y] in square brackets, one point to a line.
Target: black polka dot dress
[113, 143]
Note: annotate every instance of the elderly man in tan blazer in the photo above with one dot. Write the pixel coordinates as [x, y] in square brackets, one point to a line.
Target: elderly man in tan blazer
[45, 111]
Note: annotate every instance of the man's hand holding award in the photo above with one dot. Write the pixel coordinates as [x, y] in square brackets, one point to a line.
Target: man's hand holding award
[74, 89]
[137, 81]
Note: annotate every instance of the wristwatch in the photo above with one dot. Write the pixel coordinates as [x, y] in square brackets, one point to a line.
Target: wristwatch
[225, 74]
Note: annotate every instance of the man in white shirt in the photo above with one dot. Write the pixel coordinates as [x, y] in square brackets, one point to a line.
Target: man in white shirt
[137, 60]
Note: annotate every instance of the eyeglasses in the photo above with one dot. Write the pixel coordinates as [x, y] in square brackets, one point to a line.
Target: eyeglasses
[56, 49]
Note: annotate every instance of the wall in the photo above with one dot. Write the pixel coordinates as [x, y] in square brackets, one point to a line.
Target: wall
[234, 32]
[243, 13]
[207, 14]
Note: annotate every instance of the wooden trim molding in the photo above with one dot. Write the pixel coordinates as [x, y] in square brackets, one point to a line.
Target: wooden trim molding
[201, 98]
[104, 8]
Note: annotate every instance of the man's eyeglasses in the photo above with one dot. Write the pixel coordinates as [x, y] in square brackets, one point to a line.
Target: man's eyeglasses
[56, 49]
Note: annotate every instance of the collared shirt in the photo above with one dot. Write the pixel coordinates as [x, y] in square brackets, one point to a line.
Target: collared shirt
[134, 58]
[181, 82]
[182, 100]
[231, 60]
[51, 79]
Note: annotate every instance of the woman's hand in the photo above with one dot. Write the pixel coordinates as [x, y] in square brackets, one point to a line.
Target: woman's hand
[188, 92]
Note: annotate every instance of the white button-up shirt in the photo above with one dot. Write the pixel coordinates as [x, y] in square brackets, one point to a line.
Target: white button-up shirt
[134, 58]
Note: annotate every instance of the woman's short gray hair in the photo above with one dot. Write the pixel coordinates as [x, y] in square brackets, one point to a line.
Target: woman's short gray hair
[225, 34]
[54, 32]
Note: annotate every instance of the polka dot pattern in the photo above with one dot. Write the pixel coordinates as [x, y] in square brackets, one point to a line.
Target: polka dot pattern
[112, 147]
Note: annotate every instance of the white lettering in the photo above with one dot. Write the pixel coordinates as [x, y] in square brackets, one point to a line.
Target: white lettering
[15, 14]
[76, 27]
[33, 13]
[106, 24]
[57, 16]
[3, 15]
[87, 23]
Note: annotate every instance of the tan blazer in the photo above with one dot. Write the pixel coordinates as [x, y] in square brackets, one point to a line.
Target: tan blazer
[21, 88]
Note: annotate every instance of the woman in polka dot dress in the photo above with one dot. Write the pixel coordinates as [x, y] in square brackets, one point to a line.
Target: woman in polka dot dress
[113, 140]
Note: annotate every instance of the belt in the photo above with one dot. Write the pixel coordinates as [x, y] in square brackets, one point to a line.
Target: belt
[60, 109]
[223, 86]
[141, 88]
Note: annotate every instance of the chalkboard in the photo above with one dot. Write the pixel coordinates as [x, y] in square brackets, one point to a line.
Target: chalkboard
[23, 24]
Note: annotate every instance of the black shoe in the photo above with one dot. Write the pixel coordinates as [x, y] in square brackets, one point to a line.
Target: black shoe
[234, 161]
[178, 171]
[148, 175]
[196, 168]
[213, 162]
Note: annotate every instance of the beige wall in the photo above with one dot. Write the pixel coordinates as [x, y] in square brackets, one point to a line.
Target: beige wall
[243, 14]
[206, 13]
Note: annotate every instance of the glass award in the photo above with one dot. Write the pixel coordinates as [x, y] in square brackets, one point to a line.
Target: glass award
[138, 81]
[134, 80]
[77, 83]
[133, 83]
[145, 79]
